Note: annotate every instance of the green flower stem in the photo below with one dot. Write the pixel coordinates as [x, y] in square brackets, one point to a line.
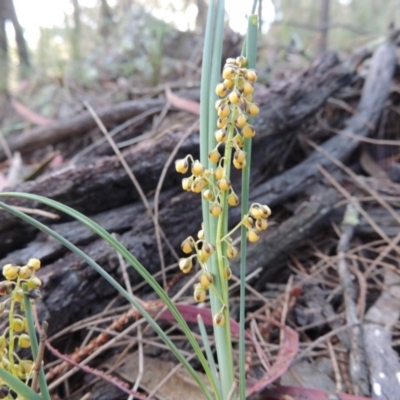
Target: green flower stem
[251, 53]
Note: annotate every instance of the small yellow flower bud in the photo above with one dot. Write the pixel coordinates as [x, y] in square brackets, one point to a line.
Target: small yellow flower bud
[222, 122]
[253, 109]
[220, 135]
[214, 156]
[206, 279]
[230, 61]
[248, 222]
[266, 211]
[233, 199]
[25, 272]
[248, 131]
[202, 256]
[200, 293]
[218, 103]
[234, 97]
[187, 183]
[253, 235]
[200, 234]
[227, 273]
[239, 156]
[185, 265]
[219, 173]
[215, 210]
[34, 283]
[224, 110]
[232, 252]
[10, 271]
[229, 83]
[208, 195]
[197, 168]
[17, 325]
[241, 61]
[241, 121]
[26, 366]
[34, 263]
[198, 185]
[261, 224]
[18, 295]
[251, 75]
[248, 88]
[249, 97]
[181, 166]
[24, 341]
[238, 140]
[229, 73]
[219, 319]
[208, 249]
[187, 245]
[239, 165]
[224, 184]
[256, 212]
[220, 90]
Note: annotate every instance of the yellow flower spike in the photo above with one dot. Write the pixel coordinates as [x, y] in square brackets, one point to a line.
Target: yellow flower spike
[181, 166]
[253, 235]
[220, 90]
[248, 131]
[248, 88]
[219, 319]
[229, 83]
[241, 120]
[224, 110]
[261, 224]
[239, 156]
[253, 109]
[208, 195]
[187, 245]
[234, 97]
[10, 271]
[34, 283]
[219, 173]
[34, 263]
[238, 140]
[198, 185]
[232, 252]
[206, 279]
[220, 135]
[185, 265]
[208, 249]
[241, 61]
[200, 293]
[187, 183]
[24, 341]
[239, 165]
[25, 272]
[266, 211]
[233, 199]
[17, 325]
[229, 73]
[248, 222]
[222, 122]
[251, 75]
[224, 184]
[215, 210]
[214, 156]
[227, 273]
[200, 234]
[197, 168]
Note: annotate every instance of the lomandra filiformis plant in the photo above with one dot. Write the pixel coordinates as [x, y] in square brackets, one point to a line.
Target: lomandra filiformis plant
[235, 107]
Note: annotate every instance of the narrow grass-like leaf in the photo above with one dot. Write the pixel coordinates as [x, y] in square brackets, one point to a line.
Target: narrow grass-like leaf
[135, 263]
[18, 386]
[34, 344]
[251, 55]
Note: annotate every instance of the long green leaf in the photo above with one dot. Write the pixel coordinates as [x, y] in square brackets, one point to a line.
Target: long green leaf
[18, 386]
[135, 263]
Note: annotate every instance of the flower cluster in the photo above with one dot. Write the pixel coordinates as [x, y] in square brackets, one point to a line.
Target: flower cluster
[235, 110]
[17, 278]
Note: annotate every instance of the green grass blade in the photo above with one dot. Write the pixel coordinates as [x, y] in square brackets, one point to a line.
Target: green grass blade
[18, 386]
[251, 55]
[135, 263]
[34, 344]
